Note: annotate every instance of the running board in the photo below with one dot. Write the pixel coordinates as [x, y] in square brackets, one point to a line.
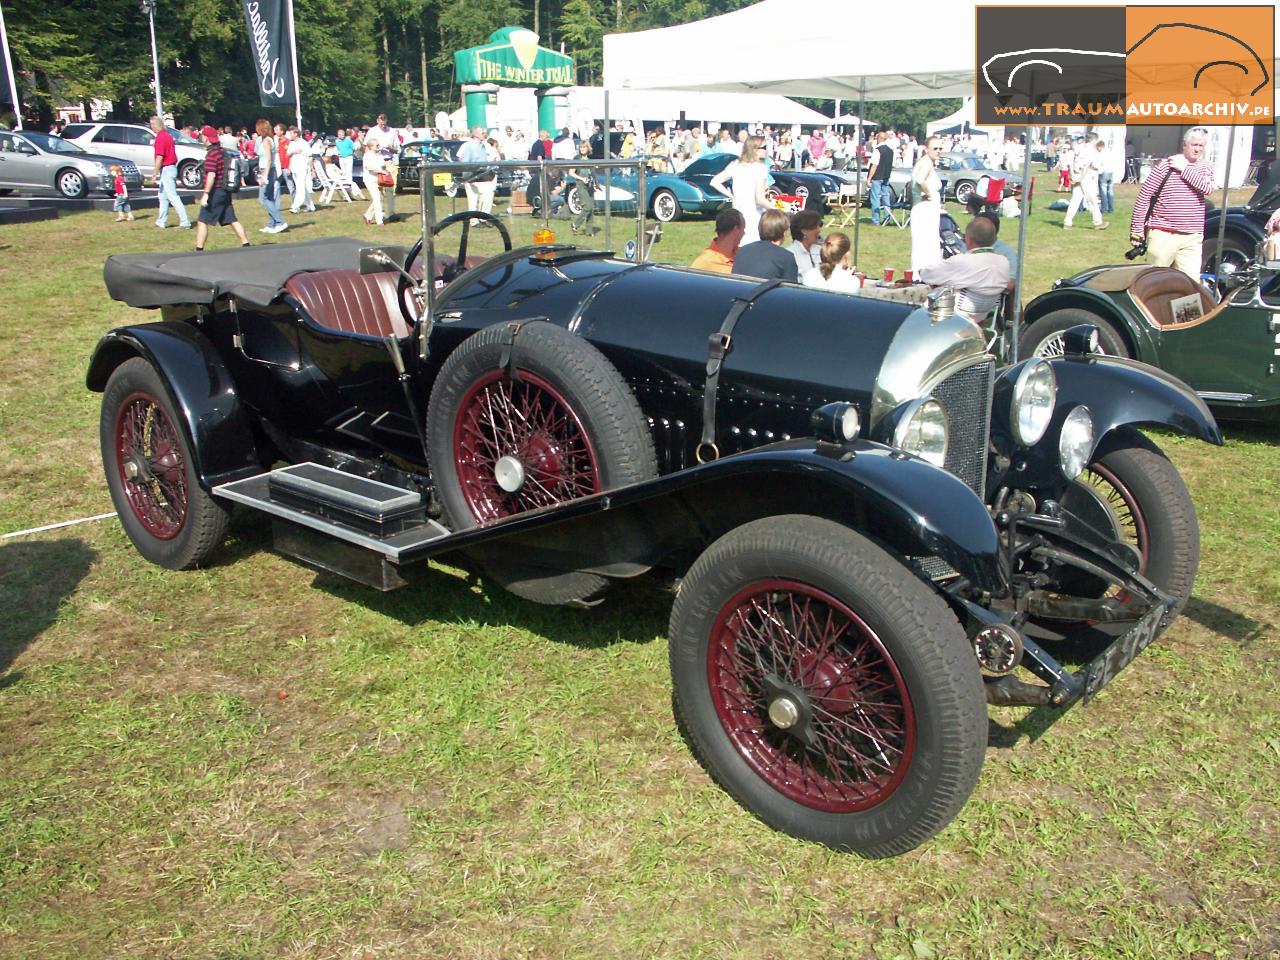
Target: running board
[374, 516]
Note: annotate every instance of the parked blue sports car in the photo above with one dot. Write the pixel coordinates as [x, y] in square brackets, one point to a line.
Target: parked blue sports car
[817, 188]
[668, 196]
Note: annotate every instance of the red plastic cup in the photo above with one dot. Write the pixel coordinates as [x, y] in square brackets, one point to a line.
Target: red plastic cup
[862, 279]
[909, 276]
[888, 274]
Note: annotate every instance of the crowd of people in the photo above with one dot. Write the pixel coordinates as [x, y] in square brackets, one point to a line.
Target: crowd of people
[980, 275]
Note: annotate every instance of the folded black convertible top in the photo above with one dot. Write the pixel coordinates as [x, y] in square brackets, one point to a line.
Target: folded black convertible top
[255, 275]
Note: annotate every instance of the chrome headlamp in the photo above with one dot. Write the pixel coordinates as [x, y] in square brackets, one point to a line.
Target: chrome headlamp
[836, 422]
[922, 430]
[1075, 443]
[1031, 409]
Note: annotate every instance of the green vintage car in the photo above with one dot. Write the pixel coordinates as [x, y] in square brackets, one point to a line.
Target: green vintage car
[1227, 350]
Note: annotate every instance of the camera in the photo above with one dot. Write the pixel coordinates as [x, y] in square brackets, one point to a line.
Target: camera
[1136, 251]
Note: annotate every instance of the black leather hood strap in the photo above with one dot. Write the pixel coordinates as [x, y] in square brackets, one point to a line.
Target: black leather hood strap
[506, 361]
[719, 346]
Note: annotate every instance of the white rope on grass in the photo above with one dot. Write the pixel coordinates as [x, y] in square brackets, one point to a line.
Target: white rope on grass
[56, 526]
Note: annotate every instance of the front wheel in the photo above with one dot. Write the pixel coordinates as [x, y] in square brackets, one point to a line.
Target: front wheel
[151, 474]
[1043, 337]
[825, 687]
[964, 190]
[1133, 494]
[72, 184]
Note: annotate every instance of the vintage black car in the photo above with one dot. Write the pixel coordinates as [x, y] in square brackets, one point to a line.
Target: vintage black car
[872, 528]
[1245, 227]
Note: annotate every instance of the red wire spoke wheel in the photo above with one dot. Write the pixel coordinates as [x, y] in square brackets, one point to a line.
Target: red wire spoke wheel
[827, 688]
[151, 465]
[519, 445]
[525, 417]
[151, 472]
[810, 696]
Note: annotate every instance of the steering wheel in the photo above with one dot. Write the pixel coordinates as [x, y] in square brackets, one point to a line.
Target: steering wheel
[450, 271]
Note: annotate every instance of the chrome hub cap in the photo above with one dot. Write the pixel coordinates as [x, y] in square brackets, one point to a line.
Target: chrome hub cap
[783, 713]
[509, 473]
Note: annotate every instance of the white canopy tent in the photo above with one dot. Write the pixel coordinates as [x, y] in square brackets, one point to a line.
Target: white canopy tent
[965, 115]
[789, 47]
[697, 106]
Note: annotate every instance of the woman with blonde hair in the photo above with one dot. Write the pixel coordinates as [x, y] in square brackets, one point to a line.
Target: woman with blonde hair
[926, 212]
[834, 271]
[749, 175]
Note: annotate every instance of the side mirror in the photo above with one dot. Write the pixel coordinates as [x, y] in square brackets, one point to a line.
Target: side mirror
[385, 259]
[27, 149]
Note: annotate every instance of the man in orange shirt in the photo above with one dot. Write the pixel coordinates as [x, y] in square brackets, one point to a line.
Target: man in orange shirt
[718, 258]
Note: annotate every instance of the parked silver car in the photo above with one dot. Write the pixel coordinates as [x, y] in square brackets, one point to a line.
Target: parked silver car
[136, 142]
[40, 160]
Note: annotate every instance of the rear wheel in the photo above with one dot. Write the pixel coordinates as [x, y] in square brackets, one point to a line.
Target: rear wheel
[666, 206]
[151, 473]
[189, 175]
[825, 687]
[964, 190]
[556, 423]
[1043, 337]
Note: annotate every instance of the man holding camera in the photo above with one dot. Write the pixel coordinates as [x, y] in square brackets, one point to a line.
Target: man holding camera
[1168, 216]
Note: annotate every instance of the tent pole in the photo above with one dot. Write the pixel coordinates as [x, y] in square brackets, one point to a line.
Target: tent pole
[857, 166]
[1222, 219]
[1024, 212]
[605, 151]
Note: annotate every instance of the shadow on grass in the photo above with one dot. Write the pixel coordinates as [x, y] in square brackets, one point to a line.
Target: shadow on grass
[1250, 431]
[633, 611]
[35, 578]
[1234, 626]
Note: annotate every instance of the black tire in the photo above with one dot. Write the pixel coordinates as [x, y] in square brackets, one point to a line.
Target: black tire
[666, 206]
[964, 190]
[572, 202]
[1043, 337]
[71, 183]
[794, 573]
[169, 517]
[581, 431]
[1133, 493]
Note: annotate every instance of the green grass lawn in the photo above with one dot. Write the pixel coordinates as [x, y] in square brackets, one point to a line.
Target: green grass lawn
[253, 760]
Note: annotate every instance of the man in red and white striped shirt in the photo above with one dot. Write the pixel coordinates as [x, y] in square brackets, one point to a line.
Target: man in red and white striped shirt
[1174, 226]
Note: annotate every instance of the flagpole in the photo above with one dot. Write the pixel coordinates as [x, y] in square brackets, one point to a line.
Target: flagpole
[8, 69]
[293, 48]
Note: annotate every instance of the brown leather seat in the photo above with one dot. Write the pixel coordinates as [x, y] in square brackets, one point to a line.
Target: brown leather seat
[350, 302]
[1155, 289]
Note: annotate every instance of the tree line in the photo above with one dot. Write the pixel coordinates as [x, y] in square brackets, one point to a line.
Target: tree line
[356, 58]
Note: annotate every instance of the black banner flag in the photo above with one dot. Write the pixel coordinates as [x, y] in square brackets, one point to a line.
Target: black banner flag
[271, 43]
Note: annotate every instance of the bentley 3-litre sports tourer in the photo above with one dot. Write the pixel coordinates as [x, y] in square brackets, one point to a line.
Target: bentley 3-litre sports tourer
[871, 527]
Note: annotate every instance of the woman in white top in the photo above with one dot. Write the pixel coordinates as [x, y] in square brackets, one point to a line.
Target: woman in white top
[299, 154]
[926, 245]
[268, 179]
[374, 164]
[748, 174]
[835, 271]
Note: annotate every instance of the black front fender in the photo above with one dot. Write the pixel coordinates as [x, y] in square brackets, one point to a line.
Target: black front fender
[1118, 392]
[200, 385]
[916, 509]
